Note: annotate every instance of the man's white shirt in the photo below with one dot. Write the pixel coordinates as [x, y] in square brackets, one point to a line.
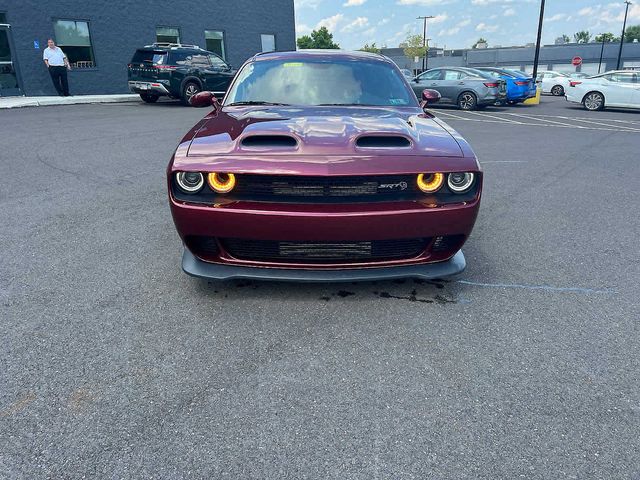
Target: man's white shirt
[55, 56]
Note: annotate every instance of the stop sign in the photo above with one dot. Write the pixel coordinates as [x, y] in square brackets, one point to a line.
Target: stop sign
[575, 61]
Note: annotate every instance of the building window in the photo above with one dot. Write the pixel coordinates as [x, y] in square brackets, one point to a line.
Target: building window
[75, 41]
[214, 42]
[268, 42]
[167, 35]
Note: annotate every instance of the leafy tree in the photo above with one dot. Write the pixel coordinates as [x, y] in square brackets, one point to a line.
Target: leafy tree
[632, 33]
[566, 38]
[606, 38]
[583, 36]
[413, 46]
[370, 48]
[480, 40]
[320, 38]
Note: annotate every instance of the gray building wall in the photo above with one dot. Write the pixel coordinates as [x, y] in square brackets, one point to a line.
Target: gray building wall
[118, 27]
[556, 56]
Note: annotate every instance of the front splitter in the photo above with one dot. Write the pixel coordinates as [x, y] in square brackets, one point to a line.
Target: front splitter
[197, 268]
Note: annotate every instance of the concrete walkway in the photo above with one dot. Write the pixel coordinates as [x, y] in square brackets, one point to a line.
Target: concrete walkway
[17, 102]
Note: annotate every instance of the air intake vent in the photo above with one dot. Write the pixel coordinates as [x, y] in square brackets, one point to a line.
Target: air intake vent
[382, 141]
[270, 141]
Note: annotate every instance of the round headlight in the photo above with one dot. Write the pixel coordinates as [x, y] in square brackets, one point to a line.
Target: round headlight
[460, 182]
[221, 182]
[190, 182]
[430, 182]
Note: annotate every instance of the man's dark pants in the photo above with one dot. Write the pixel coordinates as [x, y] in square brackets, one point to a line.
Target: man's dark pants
[59, 77]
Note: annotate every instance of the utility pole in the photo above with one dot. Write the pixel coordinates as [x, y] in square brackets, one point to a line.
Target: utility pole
[537, 55]
[601, 52]
[624, 27]
[424, 40]
[426, 57]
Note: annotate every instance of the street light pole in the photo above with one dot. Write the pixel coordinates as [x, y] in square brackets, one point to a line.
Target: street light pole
[426, 57]
[537, 55]
[624, 27]
[424, 40]
[601, 52]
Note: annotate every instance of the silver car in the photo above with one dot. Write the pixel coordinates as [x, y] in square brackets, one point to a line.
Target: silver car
[467, 88]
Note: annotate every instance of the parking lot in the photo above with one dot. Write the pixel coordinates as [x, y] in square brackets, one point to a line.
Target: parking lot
[115, 363]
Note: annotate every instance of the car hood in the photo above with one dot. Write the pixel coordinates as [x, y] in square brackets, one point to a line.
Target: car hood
[324, 132]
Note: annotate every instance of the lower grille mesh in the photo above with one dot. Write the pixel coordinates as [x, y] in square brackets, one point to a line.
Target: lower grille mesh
[324, 252]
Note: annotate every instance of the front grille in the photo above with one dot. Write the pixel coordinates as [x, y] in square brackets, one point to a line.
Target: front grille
[324, 252]
[301, 188]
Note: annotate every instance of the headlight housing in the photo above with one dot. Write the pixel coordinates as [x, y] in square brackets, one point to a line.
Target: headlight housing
[430, 182]
[460, 182]
[221, 182]
[190, 182]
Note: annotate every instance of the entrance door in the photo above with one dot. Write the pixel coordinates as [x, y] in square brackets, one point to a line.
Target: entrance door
[8, 76]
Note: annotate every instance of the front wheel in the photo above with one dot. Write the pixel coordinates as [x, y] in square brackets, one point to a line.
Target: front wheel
[557, 90]
[593, 101]
[146, 98]
[189, 90]
[467, 101]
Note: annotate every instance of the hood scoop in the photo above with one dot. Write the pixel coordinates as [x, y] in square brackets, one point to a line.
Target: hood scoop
[382, 141]
[269, 141]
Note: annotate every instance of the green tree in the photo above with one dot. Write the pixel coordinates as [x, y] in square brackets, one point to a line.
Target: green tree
[606, 38]
[480, 40]
[632, 33]
[412, 46]
[583, 36]
[566, 38]
[320, 38]
[370, 48]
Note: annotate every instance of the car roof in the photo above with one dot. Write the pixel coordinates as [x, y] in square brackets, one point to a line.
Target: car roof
[320, 54]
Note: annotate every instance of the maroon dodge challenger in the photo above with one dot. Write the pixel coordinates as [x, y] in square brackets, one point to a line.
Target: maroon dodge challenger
[322, 165]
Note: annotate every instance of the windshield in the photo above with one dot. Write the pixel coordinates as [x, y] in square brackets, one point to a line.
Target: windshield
[321, 82]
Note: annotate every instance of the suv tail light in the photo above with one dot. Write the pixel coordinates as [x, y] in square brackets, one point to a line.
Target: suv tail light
[573, 83]
[491, 84]
[521, 83]
[165, 67]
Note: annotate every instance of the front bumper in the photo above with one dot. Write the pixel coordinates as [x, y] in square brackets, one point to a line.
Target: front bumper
[198, 268]
[153, 88]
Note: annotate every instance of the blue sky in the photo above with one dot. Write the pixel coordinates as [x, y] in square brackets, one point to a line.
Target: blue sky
[458, 23]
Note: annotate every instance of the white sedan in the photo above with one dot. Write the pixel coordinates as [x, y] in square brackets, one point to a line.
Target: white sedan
[618, 88]
[555, 83]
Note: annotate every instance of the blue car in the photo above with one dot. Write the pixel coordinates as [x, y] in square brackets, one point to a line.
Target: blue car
[520, 86]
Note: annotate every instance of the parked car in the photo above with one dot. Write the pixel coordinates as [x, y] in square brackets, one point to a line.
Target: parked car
[519, 87]
[322, 165]
[555, 83]
[617, 88]
[467, 88]
[177, 71]
[533, 86]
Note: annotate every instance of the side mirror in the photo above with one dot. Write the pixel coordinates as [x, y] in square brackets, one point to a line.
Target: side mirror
[204, 99]
[429, 96]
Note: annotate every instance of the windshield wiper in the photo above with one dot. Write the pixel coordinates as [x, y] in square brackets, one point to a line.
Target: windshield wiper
[255, 102]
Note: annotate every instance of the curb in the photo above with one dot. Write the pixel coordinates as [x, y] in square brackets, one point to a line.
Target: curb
[20, 102]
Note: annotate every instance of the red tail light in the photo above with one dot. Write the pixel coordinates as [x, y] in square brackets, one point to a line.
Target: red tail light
[520, 83]
[573, 83]
[165, 67]
[491, 84]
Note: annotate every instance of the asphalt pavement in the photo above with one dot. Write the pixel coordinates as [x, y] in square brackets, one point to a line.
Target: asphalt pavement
[115, 364]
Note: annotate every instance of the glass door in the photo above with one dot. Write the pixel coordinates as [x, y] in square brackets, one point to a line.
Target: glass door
[8, 77]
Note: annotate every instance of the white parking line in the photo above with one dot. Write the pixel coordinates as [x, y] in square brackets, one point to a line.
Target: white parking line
[599, 123]
[528, 117]
[502, 161]
[505, 120]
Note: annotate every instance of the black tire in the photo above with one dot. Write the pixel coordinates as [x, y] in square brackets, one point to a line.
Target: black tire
[147, 98]
[467, 101]
[557, 91]
[593, 101]
[188, 91]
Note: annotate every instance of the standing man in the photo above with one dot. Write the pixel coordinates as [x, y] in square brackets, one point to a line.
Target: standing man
[58, 64]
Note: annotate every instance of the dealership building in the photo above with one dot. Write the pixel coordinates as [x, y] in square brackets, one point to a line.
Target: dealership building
[594, 57]
[99, 38]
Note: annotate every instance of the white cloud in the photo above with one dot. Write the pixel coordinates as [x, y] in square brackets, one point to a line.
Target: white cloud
[308, 3]
[557, 17]
[424, 3]
[483, 27]
[509, 12]
[357, 24]
[448, 32]
[302, 29]
[353, 3]
[331, 22]
[438, 18]
[464, 23]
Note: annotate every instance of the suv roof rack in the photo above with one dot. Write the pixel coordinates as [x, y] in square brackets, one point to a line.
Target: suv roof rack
[171, 45]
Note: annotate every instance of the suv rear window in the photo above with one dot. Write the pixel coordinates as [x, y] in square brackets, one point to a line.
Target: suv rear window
[149, 56]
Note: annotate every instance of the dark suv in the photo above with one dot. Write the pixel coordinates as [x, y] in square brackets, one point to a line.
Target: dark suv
[177, 71]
